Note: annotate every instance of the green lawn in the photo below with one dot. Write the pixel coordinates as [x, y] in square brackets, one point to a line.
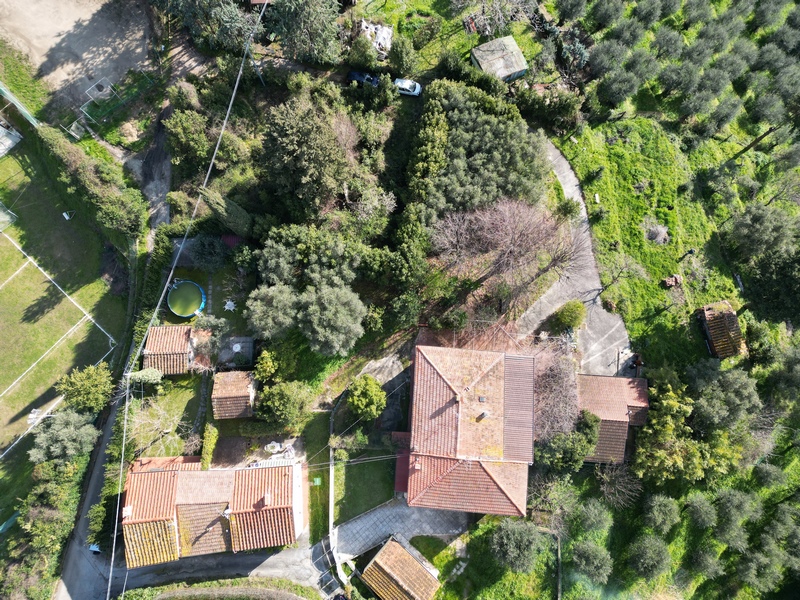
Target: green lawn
[483, 578]
[16, 74]
[359, 488]
[642, 180]
[178, 405]
[315, 438]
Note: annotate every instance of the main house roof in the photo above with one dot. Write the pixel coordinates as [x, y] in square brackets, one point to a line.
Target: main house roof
[397, 574]
[471, 430]
[232, 397]
[172, 509]
[168, 349]
[619, 402]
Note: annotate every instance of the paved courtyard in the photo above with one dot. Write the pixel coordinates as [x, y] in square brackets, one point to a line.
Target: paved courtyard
[395, 517]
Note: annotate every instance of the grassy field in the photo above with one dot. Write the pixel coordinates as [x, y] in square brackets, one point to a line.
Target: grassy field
[34, 310]
[483, 578]
[315, 437]
[641, 180]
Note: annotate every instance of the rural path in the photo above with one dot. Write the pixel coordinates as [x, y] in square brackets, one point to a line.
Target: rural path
[367, 530]
[603, 341]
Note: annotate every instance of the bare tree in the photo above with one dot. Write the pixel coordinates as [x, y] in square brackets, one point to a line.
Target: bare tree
[453, 237]
[623, 267]
[192, 444]
[556, 406]
[153, 426]
[620, 488]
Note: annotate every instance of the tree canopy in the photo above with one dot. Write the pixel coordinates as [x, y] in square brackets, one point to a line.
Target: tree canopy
[308, 29]
[63, 436]
[366, 397]
[87, 390]
[515, 544]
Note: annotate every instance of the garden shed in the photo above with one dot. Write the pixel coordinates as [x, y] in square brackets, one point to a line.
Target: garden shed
[721, 326]
[501, 58]
[233, 395]
[399, 572]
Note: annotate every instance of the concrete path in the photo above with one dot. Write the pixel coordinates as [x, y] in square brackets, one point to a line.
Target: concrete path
[603, 340]
[366, 531]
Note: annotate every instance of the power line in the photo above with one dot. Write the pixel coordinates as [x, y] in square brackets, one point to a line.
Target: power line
[128, 367]
[355, 461]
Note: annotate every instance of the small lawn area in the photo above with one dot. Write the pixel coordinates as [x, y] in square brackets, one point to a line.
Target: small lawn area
[483, 578]
[208, 590]
[643, 181]
[361, 487]
[315, 437]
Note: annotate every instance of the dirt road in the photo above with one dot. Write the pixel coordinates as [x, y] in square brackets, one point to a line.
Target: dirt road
[74, 43]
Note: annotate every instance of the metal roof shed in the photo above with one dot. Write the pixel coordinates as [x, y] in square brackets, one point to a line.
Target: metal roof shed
[501, 58]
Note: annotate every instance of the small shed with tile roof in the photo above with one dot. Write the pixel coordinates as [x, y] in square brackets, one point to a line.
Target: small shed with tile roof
[169, 349]
[399, 572]
[471, 430]
[721, 327]
[619, 402]
[233, 395]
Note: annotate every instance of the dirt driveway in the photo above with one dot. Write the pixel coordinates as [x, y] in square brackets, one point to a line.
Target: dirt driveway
[74, 43]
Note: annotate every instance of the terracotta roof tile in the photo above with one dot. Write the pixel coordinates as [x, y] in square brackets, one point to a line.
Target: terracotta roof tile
[462, 435]
[232, 397]
[613, 436]
[259, 488]
[169, 463]
[203, 529]
[150, 542]
[518, 399]
[434, 412]
[150, 496]
[610, 397]
[395, 574]
[191, 502]
[262, 529]
[168, 349]
[722, 329]
[204, 487]
[469, 486]
[618, 401]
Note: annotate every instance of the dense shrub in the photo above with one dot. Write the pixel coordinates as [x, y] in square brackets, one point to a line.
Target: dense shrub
[515, 544]
[701, 512]
[286, 405]
[662, 513]
[366, 397]
[592, 560]
[570, 316]
[210, 437]
[649, 556]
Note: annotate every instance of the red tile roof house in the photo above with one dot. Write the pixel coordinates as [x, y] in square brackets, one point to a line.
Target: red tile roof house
[620, 402]
[169, 348]
[233, 395]
[471, 430]
[173, 509]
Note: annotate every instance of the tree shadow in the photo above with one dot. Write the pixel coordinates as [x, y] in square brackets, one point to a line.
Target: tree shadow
[113, 40]
[45, 303]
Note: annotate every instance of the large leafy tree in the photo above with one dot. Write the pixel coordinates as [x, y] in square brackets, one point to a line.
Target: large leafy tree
[88, 389]
[305, 165]
[63, 436]
[567, 451]
[307, 274]
[592, 560]
[214, 23]
[308, 29]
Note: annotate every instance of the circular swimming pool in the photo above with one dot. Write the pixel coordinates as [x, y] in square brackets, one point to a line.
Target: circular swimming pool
[186, 299]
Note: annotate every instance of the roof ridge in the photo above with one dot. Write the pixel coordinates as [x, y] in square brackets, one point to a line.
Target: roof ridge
[523, 510]
[435, 368]
[502, 356]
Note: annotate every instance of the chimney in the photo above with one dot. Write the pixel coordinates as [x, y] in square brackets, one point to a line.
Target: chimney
[127, 511]
[417, 464]
[267, 498]
[481, 398]
[483, 415]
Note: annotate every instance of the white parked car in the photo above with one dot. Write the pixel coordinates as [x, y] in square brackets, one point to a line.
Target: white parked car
[408, 87]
